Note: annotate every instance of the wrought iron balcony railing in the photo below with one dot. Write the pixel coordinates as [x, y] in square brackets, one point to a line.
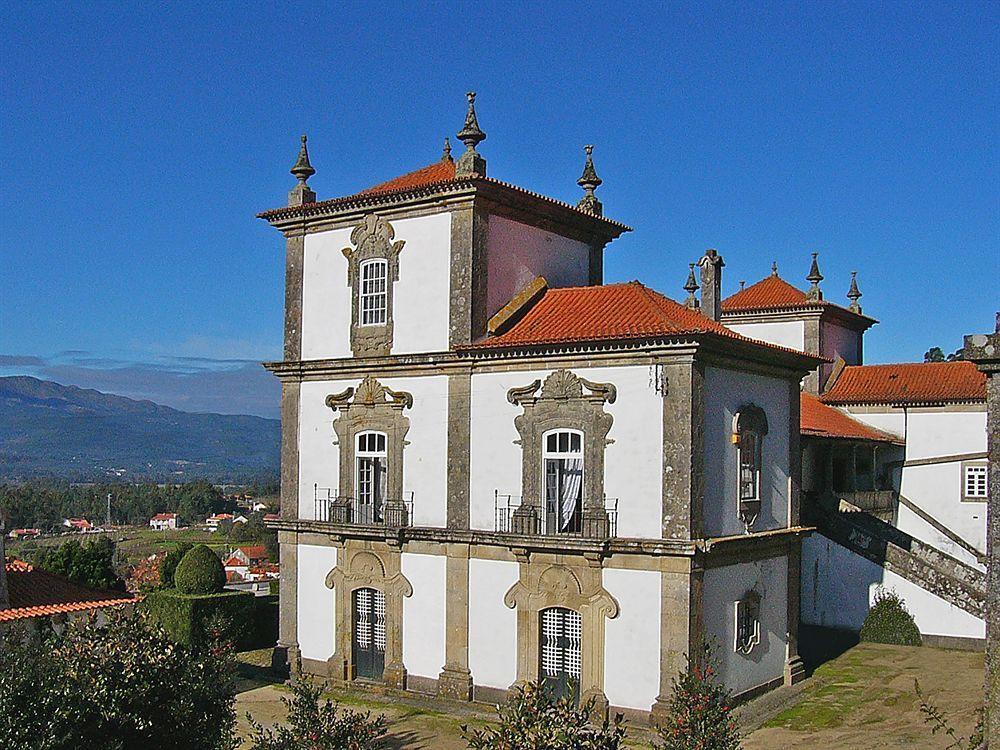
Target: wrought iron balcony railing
[332, 507]
[512, 517]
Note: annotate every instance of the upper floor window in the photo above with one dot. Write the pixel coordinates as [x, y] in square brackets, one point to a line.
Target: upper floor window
[373, 296]
[370, 460]
[975, 481]
[562, 459]
[747, 623]
[749, 429]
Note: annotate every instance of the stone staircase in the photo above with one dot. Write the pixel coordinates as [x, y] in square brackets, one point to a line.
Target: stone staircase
[953, 580]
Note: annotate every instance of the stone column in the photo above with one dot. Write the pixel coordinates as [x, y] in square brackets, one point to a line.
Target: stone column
[984, 350]
[455, 680]
[286, 653]
[794, 668]
[680, 626]
[682, 385]
[294, 256]
[459, 449]
[812, 382]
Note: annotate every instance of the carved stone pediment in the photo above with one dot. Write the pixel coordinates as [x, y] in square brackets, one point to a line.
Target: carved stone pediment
[369, 393]
[562, 385]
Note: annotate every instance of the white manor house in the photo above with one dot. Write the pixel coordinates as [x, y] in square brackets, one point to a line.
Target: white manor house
[497, 469]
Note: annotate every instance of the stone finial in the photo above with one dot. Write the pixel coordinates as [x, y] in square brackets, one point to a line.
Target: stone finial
[814, 277]
[743, 285]
[854, 294]
[589, 181]
[774, 268]
[471, 163]
[446, 151]
[302, 170]
[691, 287]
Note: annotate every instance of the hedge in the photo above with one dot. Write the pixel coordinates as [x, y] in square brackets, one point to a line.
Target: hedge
[253, 620]
[889, 621]
[200, 572]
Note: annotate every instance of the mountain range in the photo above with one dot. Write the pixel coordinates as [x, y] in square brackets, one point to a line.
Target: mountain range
[65, 432]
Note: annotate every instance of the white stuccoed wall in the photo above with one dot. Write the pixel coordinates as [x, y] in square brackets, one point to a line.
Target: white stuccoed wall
[632, 640]
[492, 626]
[633, 462]
[838, 588]
[791, 333]
[517, 253]
[725, 392]
[424, 457]
[423, 614]
[721, 589]
[316, 616]
[422, 294]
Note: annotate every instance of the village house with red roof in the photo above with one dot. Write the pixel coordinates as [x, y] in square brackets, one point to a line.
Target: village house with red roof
[162, 521]
[497, 468]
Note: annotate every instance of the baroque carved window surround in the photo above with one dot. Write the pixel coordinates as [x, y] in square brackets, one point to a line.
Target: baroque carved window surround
[561, 404]
[371, 408]
[541, 586]
[368, 567]
[749, 429]
[371, 323]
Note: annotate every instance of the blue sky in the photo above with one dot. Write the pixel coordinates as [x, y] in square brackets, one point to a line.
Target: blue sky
[138, 141]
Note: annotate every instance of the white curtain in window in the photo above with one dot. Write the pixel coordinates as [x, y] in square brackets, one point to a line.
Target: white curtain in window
[572, 480]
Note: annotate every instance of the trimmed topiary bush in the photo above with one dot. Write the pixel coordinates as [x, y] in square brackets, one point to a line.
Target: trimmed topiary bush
[889, 621]
[170, 561]
[190, 619]
[200, 572]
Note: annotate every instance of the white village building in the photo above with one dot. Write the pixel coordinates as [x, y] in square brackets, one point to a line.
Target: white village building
[894, 468]
[495, 468]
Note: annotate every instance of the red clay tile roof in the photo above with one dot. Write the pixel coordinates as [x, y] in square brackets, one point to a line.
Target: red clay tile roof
[163, 516]
[909, 383]
[439, 171]
[233, 562]
[255, 552]
[629, 311]
[819, 420]
[38, 593]
[770, 293]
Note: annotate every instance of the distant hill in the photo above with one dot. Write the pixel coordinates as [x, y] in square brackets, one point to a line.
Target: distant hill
[53, 430]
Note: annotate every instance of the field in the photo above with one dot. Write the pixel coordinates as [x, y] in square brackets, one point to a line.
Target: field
[133, 542]
[862, 700]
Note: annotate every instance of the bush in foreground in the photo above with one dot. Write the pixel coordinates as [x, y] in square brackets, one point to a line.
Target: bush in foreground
[200, 572]
[531, 720]
[318, 726]
[889, 621]
[699, 711]
[170, 561]
[116, 686]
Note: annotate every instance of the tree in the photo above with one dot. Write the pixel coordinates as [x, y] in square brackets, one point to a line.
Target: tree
[888, 621]
[316, 726]
[699, 711]
[90, 564]
[200, 572]
[531, 720]
[119, 686]
[170, 561]
[255, 532]
[934, 354]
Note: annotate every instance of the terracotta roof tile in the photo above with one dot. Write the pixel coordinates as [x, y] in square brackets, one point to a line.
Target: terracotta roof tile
[38, 593]
[629, 311]
[819, 420]
[908, 383]
[439, 171]
[770, 293]
[255, 552]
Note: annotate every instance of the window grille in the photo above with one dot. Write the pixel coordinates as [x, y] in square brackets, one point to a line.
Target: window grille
[373, 296]
[976, 482]
[561, 640]
[379, 624]
[363, 605]
[747, 623]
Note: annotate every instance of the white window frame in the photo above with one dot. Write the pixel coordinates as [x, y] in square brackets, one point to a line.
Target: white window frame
[746, 623]
[373, 292]
[981, 484]
[573, 436]
[380, 451]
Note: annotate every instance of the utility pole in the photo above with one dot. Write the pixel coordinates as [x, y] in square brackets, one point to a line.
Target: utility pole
[107, 520]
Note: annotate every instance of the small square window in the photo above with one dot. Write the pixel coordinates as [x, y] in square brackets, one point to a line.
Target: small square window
[975, 481]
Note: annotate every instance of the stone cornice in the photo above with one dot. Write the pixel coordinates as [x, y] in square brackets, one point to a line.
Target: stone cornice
[497, 196]
[791, 313]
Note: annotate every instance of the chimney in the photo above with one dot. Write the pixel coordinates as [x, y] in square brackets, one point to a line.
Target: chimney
[711, 264]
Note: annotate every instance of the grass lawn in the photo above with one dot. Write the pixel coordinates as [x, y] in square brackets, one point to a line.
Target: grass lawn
[862, 700]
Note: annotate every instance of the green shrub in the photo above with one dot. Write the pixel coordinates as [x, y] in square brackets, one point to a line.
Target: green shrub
[188, 618]
[315, 726]
[168, 565]
[889, 621]
[531, 719]
[200, 572]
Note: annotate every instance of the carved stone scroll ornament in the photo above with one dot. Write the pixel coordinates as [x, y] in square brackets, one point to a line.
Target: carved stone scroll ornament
[562, 403]
[372, 239]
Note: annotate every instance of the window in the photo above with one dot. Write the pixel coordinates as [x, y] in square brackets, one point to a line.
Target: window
[975, 481]
[747, 623]
[374, 296]
[559, 652]
[371, 479]
[562, 458]
[749, 429]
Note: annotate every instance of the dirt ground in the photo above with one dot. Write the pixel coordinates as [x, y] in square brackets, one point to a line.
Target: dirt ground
[863, 700]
